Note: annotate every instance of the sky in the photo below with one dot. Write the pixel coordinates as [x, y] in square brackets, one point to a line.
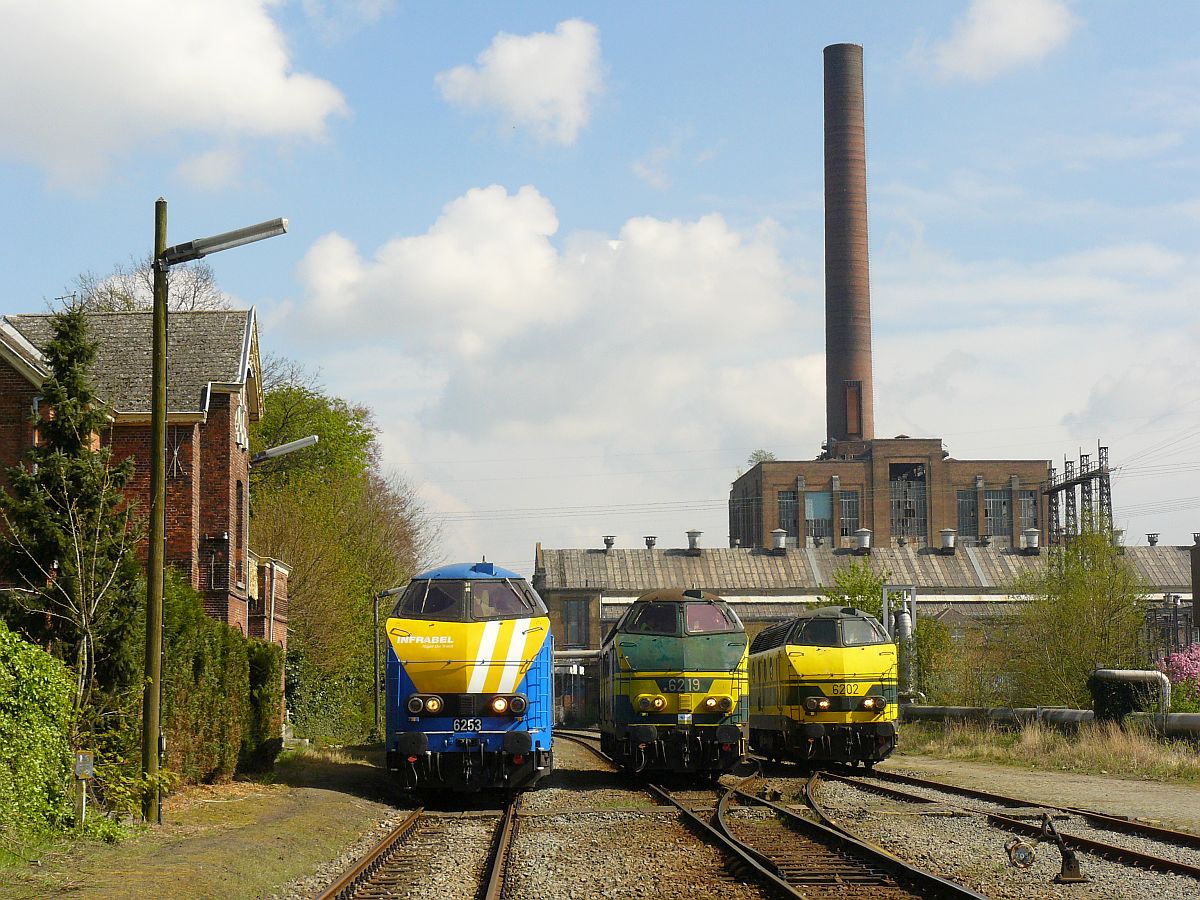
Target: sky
[571, 254]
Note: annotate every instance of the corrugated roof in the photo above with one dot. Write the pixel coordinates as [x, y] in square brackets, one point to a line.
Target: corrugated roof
[203, 347]
[749, 571]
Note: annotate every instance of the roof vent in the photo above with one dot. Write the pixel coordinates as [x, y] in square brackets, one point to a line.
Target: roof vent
[694, 542]
[779, 539]
[651, 540]
[609, 540]
[1152, 539]
[1033, 539]
[862, 541]
[949, 536]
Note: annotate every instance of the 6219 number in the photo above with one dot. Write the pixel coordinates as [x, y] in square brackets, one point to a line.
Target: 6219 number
[679, 685]
[467, 725]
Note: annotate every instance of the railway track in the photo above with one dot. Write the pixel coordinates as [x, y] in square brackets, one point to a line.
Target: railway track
[393, 866]
[884, 784]
[793, 856]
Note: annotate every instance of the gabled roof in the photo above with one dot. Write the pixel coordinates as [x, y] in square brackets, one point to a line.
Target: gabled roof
[808, 571]
[207, 350]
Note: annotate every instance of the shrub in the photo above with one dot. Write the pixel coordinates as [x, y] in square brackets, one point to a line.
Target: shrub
[1183, 668]
[262, 742]
[36, 691]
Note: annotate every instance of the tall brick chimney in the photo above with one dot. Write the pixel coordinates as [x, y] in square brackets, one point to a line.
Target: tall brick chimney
[849, 402]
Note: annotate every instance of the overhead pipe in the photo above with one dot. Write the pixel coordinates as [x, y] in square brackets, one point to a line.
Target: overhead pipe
[1147, 676]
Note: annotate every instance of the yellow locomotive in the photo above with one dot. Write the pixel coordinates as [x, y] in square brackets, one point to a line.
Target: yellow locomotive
[673, 685]
[823, 689]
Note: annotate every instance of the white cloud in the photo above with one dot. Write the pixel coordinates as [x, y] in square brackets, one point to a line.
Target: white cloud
[138, 73]
[543, 82]
[335, 20]
[215, 169]
[653, 167]
[997, 35]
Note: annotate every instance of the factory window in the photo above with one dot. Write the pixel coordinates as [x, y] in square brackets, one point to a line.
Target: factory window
[1028, 501]
[997, 514]
[576, 632]
[818, 513]
[745, 520]
[910, 513]
[789, 520]
[849, 511]
[968, 514]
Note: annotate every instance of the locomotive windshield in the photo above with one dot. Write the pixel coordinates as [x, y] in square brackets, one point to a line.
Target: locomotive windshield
[432, 600]
[848, 631]
[450, 600]
[655, 618]
[710, 618]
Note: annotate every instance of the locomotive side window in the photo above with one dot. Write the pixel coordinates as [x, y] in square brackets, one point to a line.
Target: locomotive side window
[432, 600]
[819, 633]
[655, 618]
[857, 632]
[709, 618]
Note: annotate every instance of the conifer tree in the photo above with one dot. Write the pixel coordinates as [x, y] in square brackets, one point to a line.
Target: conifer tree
[66, 528]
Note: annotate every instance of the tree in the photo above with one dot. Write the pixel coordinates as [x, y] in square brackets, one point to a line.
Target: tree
[1085, 610]
[131, 287]
[759, 456]
[347, 530]
[68, 529]
[855, 584]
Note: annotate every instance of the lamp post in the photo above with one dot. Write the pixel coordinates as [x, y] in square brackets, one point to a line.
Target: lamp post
[165, 257]
[375, 641]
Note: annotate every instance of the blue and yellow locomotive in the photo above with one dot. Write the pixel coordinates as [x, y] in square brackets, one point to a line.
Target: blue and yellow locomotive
[823, 689]
[469, 692]
[673, 684]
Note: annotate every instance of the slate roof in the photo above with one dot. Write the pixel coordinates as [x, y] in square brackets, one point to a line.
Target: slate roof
[204, 348]
[747, 571]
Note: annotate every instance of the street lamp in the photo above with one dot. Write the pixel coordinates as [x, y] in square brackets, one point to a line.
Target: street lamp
[375, 640]
[165, 257]
[290, 447]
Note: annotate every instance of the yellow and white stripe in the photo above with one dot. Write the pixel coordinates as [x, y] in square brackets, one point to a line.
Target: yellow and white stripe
[467, 657]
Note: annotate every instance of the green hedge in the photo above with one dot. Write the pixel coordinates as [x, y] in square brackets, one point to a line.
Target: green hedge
[35, 717]
[330, 707]
[221, 692]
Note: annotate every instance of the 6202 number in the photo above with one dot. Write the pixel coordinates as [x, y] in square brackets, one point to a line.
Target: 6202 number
[846, 689]
[467, 725]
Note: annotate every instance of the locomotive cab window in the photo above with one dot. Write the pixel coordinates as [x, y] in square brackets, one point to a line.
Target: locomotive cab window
[710, 618]
[655, 618]
[859, 632]
[503, 599]
[432, 600]
[818, 633]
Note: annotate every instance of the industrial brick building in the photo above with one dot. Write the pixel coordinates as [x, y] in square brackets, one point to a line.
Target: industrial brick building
[214, 393]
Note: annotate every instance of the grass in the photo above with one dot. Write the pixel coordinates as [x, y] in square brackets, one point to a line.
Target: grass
[1099, 749]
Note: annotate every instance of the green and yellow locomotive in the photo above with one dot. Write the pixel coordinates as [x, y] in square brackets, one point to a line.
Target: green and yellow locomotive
[823, 689]
[673, 684]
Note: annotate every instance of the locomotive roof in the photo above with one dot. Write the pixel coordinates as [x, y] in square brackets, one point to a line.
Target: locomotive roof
[467, 572]
[676, 595]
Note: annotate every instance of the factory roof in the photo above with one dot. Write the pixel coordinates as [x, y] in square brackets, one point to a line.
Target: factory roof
[809, 571]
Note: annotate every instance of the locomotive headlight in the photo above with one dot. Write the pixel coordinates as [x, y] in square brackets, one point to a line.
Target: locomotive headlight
[415, 704]
[659, 702]
[823, 703]
[710, 703]
[874, 703]
[645, 702]
[725, 704]
[868, 703]
[517, 705]
[433, 704]
[499, 705]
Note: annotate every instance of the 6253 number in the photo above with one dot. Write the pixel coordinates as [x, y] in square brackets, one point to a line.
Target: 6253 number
[467, 724]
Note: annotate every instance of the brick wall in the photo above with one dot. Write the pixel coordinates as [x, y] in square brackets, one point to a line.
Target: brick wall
[16, 408]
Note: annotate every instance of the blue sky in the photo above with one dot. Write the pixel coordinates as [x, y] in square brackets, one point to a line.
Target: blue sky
[571, 254]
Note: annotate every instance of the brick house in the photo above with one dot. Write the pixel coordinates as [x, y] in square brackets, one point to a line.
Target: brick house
[214, 393]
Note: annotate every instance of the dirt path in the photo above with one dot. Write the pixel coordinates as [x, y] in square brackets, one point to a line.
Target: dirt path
[1174, 805]
[224, 841]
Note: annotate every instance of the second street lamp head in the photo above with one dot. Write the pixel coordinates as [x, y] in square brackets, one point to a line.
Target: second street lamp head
[201, 247]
